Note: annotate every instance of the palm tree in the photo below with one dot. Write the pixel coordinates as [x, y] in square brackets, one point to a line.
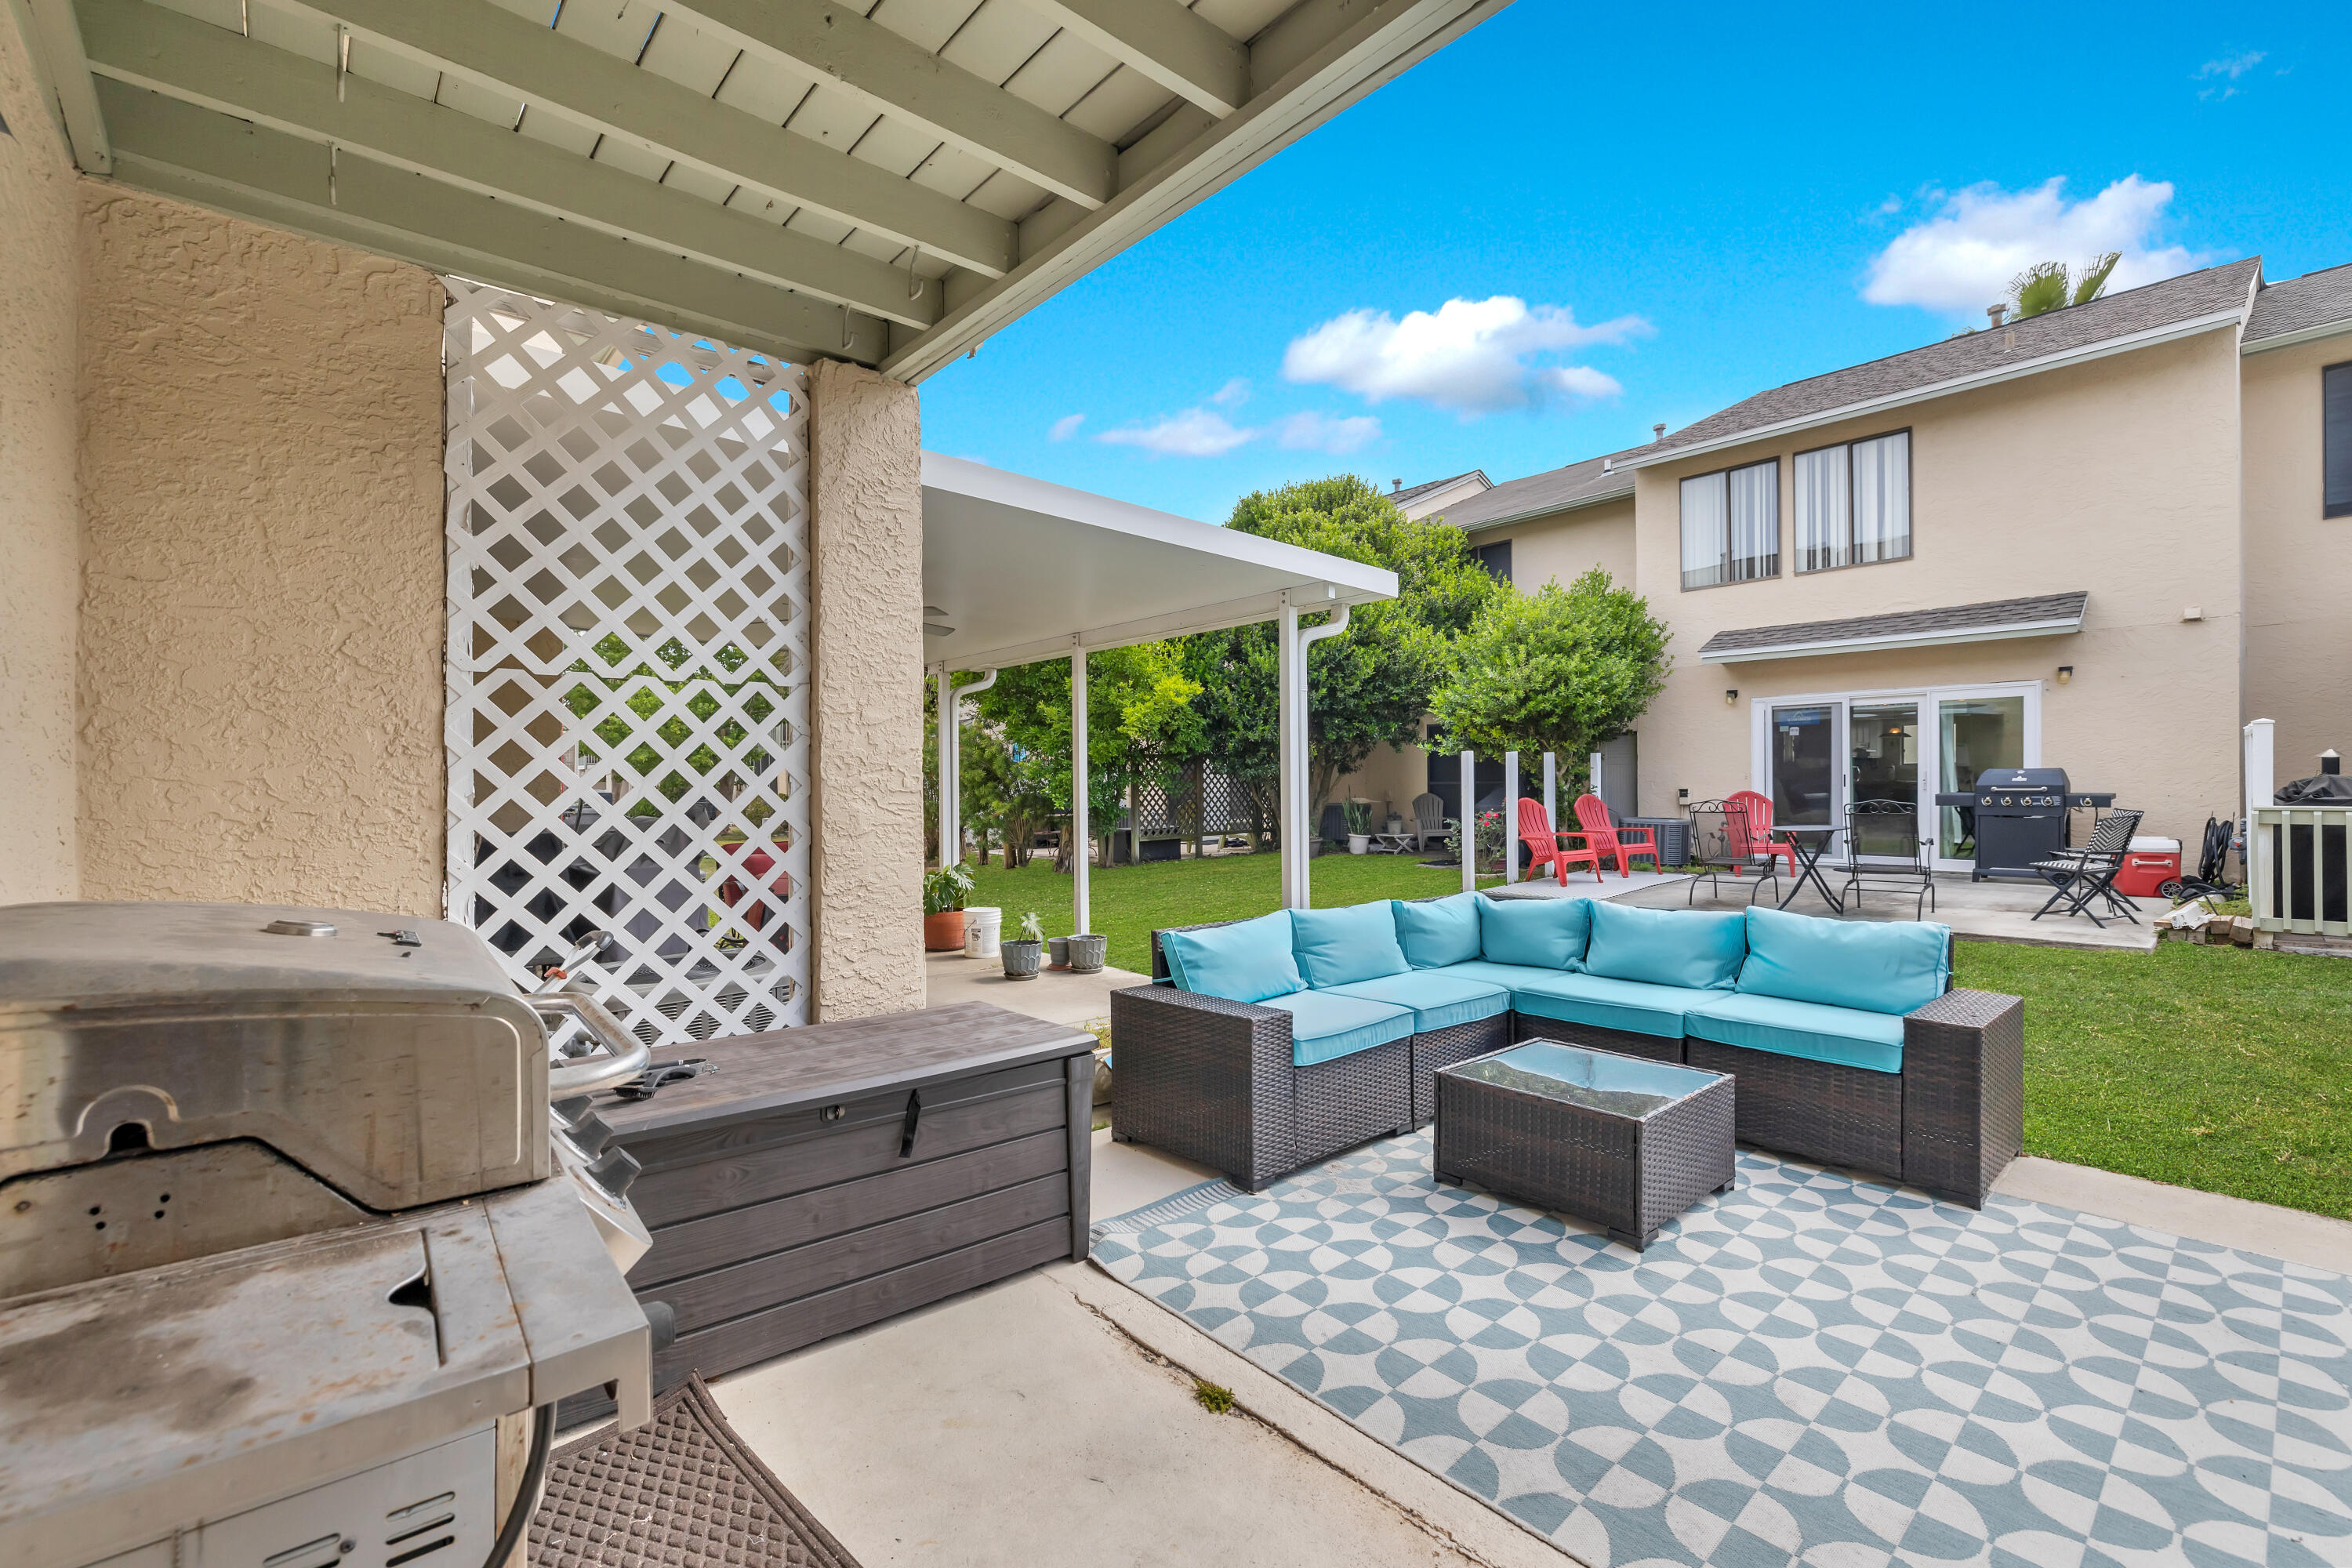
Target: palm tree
[2044, 286]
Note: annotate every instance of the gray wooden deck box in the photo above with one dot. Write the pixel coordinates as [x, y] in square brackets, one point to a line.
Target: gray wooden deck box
[830, 1177]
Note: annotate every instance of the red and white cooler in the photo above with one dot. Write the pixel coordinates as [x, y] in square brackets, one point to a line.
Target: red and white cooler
[2148, 864]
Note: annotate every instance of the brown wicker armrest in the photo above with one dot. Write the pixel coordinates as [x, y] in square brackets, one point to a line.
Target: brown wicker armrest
[1205, 1079]
[1963, 1093]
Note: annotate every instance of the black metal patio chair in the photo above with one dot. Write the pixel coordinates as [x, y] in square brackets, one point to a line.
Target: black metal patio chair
[2078, 878]
[1887, 831]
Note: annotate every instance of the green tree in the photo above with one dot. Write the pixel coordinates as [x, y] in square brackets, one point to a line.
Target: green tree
[2045, 287]
[1138, 714]
[1368, 687]
[1560, 669]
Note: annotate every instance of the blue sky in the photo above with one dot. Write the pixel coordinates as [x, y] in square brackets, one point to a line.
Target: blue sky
[1644, 215]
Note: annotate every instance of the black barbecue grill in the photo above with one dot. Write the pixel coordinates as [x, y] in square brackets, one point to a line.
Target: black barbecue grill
[2017, 816]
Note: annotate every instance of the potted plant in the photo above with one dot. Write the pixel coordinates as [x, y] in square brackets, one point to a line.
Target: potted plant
[1086, 950]
[1022, 952]
[1360, 825]
[944, 892]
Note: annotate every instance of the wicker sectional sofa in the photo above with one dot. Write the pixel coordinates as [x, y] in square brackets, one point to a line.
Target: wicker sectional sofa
[1266, 1045]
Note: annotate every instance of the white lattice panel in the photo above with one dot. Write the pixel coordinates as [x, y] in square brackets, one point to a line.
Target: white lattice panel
[626, 660]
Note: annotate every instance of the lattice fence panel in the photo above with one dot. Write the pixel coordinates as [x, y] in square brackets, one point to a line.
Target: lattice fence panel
[626, 660]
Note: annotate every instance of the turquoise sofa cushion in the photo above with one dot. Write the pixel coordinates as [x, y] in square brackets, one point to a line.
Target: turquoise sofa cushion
[1248, 961]
[1325, 1025]
[1543, 933]
[1847, 1036]
[1438, 998]
[1697, 949]
[1439, 932]
[1336, 946]
[1632, 1006]
[1890, 967]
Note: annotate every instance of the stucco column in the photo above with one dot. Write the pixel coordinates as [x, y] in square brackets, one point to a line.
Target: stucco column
[865, 693]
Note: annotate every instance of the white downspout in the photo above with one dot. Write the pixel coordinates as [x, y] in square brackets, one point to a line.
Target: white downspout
[951, 804]
[943, 741]
[1291, 848]
[1510, 818]
[1551, 793]
[1467, 825]
[1308, 639]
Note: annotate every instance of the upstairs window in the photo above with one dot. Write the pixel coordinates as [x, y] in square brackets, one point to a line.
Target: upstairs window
[1495, 558]
[1853, 503]
[1731, 525]
[2335, 416]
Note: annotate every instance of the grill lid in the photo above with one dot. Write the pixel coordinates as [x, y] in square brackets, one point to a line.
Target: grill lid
[2021, 781]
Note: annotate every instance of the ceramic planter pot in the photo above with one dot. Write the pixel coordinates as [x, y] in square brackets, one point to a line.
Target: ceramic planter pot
[1021, 957]
[943, 932]
[1087, 952]
[1057, 951]
[1358, 843]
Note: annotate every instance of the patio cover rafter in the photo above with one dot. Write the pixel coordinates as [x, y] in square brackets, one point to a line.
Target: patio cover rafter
[1167, 41]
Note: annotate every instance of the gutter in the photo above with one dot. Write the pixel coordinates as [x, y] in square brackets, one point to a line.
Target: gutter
[2300, 335]
[2149, 338]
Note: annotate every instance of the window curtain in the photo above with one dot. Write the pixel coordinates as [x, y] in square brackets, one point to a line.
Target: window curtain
[2335, 421]
[1704, 536]
[1824, 520]
[1882, 497]
[1755, 528]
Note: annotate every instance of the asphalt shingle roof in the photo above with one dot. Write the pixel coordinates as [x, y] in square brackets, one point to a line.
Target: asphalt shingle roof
[1903, 623]
[1540, 493]
[2153, 305]
[1411, 492]
[2314, 299]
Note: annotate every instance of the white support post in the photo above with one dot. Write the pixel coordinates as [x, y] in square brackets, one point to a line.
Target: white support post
[1551, 791]
[2262, 774]
[944, 745]
[1593, 789]
[1287, 784]
[1082, 840]
[1510, 818]
[1307, 639]
[1468, 824]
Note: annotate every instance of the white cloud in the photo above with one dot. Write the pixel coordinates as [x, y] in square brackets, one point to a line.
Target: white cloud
[2225, 71]
[1065, 427]
[1313, 432]
[1473, 356]
[1233, 395]
[1195, 433]
[1963, 258]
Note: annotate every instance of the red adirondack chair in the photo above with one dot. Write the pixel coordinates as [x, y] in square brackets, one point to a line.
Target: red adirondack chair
[1747, 823]
[1606, 840]
[1546, 846]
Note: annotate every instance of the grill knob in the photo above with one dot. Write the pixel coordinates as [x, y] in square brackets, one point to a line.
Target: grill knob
[616, 1171]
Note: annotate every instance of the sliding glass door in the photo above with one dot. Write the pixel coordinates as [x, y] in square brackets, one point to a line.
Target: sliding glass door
[1815, 755]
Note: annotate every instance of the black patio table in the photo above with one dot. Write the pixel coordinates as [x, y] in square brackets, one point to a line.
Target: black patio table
[1810, 843]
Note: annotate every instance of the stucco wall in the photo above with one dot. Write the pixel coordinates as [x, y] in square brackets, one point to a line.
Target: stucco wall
[1567, 544]
[39, 300]
[2120, 477]
[261, 632]
[865, 531]
[2298, 561]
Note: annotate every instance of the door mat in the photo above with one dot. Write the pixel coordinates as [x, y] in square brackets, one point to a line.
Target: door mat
[681, 1492]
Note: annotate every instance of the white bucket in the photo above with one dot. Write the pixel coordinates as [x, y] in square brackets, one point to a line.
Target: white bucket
[982, 926]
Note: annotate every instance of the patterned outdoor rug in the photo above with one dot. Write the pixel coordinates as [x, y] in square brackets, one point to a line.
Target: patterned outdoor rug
[681, 1492]
[1809, 1368]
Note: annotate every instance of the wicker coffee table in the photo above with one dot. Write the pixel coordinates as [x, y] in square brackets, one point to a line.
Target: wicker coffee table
[1615, 1139]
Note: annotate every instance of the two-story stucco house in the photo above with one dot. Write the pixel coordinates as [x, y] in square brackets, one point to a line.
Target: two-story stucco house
[2099, 539]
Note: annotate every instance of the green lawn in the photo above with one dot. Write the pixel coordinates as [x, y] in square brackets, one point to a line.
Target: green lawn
[2216, 1067]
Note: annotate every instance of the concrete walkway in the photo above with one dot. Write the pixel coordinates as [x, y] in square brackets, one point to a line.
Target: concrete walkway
[1057, 996]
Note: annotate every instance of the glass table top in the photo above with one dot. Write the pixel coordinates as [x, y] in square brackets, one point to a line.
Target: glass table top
[1596, 1081]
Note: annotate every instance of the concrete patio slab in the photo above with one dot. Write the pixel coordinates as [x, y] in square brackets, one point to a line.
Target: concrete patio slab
[1983, 911]
[1055, 995]
[1580, 885]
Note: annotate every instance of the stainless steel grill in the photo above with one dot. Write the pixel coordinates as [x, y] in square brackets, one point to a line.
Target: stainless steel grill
[286, 1224]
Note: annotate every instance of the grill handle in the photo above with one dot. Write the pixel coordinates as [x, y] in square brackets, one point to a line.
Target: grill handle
[626, 1056]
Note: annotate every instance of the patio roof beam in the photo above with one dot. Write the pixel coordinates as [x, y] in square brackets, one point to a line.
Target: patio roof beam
[1322, 55]
[169, 52]
[528, 60]
[892, 75]
[1177, 47]
[63, 74]
[183, 150]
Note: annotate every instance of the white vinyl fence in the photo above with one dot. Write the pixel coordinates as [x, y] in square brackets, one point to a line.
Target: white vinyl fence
[2300, 860]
